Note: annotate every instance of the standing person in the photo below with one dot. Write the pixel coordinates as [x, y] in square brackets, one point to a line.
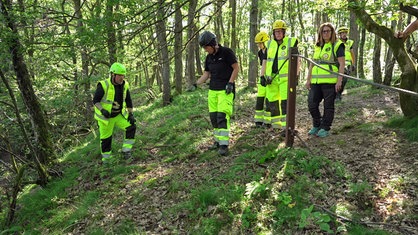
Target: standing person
[221, 66]
[322, 84]
[113, 106]
[261, 112]
[350, 59]
[275, 69]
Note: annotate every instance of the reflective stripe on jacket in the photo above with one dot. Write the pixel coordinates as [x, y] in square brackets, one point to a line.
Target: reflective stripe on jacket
[326, 57]
[108, 99]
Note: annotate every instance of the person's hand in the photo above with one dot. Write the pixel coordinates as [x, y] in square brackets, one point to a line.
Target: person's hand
[229, 88]
[399, 35]
[105, 113]
[131, 118]
[263, 81]
[338, 85]
[269, 80]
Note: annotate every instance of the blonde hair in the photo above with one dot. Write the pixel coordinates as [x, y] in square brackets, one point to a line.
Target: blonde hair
[320, 40]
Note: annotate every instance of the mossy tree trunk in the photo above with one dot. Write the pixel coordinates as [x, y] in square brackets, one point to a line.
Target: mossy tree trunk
[409, 75]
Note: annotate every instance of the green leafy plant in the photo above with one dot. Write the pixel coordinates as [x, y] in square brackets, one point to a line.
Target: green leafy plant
[308, 217]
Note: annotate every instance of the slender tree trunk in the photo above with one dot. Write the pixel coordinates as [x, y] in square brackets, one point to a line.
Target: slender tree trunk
[253, 68]
[354, 35]
[360, 64]
[377, 68]
[233, 4]
[44, 152]
[389, 61]
[164, 59]
[111, 32]
[178, 45]
[191, 46]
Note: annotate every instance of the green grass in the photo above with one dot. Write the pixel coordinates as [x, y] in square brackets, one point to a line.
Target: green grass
[262, 190]
[408, 125]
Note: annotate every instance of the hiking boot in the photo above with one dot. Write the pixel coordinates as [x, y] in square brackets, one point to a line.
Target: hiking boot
[214, 146]
[322, 133]
[313, 131]
[223, 150]
[127, 155]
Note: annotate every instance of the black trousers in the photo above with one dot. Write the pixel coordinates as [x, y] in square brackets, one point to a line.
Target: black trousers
[317, 93]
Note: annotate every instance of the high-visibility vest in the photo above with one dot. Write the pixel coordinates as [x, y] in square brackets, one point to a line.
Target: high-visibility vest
[348, 44]
[109, 98]
[282, 56]
[326, 57]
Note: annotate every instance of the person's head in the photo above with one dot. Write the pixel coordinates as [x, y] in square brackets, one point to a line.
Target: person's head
[261, 38]
[117, 73]
[279, 29]
[342, 32]
[207, 40]
[326, 33]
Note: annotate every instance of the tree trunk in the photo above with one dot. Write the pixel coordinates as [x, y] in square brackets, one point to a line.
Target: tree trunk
[360, 64]
[354, 35]
[233, 4]
[389, 61]
[111, 32]
[377, 68]
[191, 46]
[409, 78]
[44, 151]
[163, 49]
[178, 35]
[253, 65]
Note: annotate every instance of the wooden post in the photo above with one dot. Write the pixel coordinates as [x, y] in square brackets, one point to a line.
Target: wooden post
[291, 97]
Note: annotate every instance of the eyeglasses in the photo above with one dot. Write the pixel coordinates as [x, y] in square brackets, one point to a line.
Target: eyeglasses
[326, 31]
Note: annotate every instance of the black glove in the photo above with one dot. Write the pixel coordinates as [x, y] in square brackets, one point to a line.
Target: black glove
[229, 88]
[269, 80]
[263, 81]
[105, 113]
[131, 118]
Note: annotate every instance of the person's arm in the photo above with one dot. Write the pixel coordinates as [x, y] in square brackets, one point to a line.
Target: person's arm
[353, 57]
[203, 78]
[309, 78]
[408, 30]
[263, 68]
[234, 75]
[98, 95]
[128, 100]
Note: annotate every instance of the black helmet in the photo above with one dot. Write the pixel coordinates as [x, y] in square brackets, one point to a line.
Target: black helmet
[207, 39]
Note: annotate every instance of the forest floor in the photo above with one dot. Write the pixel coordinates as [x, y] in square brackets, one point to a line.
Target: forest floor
[166, 189]
[371, 152]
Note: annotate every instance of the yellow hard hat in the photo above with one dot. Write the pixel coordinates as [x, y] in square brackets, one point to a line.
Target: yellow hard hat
[261, 37]
[342, 29]
[279, 24]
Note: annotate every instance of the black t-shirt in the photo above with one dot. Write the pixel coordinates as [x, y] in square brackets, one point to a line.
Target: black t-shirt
[341, 50]
[118, 102]
[262, 55]
[220, 67]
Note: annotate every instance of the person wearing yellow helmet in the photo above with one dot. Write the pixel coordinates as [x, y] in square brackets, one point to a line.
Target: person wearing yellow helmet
[113, 107]
[275, 69]
[221, 66]
[261, 111]
[350, 59]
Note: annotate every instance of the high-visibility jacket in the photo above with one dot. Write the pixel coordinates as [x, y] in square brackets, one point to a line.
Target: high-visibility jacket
[282, 56]
[326, 57]
[348, 44]
[108, 99]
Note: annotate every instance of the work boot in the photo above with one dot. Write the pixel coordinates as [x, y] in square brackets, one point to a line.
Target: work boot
[127, 155]
[223, 150]
[214, 146]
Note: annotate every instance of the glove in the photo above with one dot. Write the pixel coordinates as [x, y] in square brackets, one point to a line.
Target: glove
[263, 81]
[269, 80]
[131, 118]
[105, 113]
[229, 88]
